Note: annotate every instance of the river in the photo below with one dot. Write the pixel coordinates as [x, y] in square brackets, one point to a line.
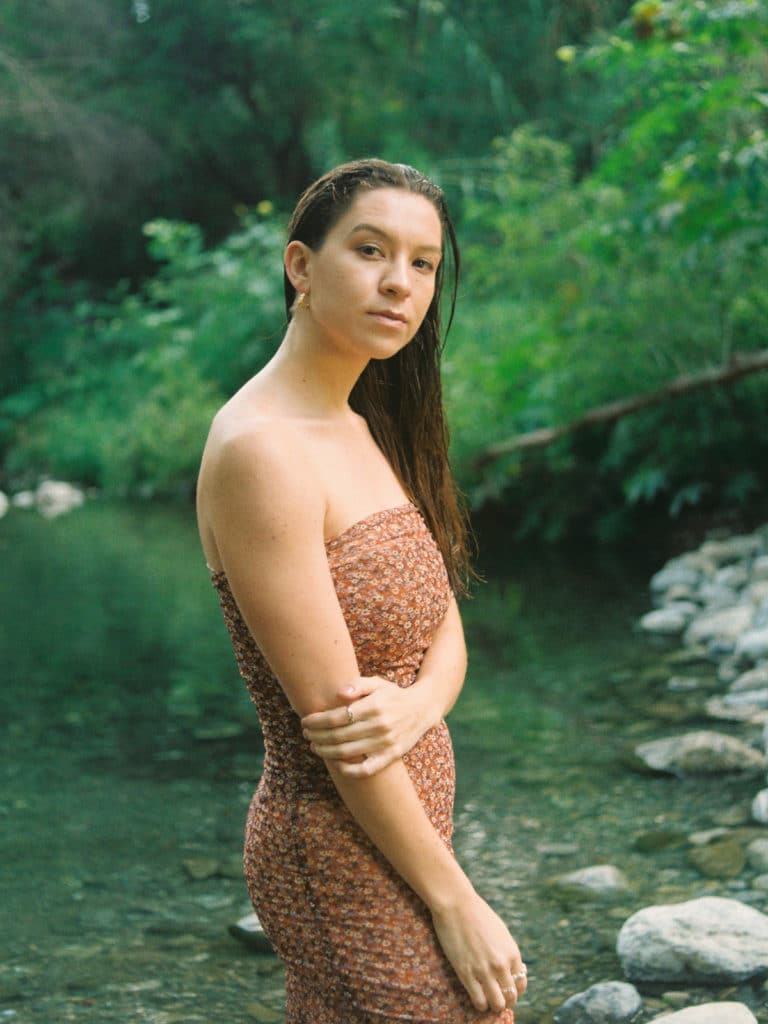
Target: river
[131, 752]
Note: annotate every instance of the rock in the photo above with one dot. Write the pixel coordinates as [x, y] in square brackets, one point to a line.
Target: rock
[757, 854]
[715, 596]
[721, 859]
[710, 1013]
[734, 576]
[724, 626]
[707, 836]
[734, 549]
[200, 868]
[755, 679]
[703, 941]
[760, 568]
[684, 684]
[248, 930]
[668, 621]
[55, 497]
[752, 645]
[699, 753]
[23, 499]
[760, 883]
[728, 670]
[735, 711]
[659, 839]
[760, 807]
[609, 1002]
[757, 592]
[677, 572]
[598, 881]
[4, 504]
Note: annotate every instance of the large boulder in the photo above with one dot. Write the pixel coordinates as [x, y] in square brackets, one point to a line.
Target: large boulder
[710, 1013]
[699, 753]
[705, 941]
[609, 1002]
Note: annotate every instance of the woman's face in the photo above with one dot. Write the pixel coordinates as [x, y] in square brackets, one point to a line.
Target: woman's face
[372, 280]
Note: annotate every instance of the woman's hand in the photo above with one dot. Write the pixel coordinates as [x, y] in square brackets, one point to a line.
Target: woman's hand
[482, 952]
[376, 723]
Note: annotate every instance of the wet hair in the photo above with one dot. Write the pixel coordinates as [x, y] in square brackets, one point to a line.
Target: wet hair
[401, 397]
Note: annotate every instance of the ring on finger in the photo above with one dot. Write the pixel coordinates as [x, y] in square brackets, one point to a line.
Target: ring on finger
[350, 716]
[510, 990]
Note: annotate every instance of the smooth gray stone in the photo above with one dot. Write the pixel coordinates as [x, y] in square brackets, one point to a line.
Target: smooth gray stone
[710, 1013]
[703, 941]
[760, 807]
[699, 753]
[609, 1002]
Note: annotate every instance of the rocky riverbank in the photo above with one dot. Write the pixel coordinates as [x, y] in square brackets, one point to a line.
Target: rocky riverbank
[712, 605]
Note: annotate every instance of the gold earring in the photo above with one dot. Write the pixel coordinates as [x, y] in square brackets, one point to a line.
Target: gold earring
[302, 302]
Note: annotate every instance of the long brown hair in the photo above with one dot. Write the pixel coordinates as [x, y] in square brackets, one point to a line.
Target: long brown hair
[401, 397]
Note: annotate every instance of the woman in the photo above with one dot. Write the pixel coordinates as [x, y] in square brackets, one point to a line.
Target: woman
[332, 528]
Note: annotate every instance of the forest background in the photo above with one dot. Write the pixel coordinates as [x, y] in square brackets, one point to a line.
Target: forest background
[606, 163]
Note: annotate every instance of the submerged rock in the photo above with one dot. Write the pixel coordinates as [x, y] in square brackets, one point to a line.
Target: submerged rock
[599, 881]
[609, 1002]
[699, 753]
[703, 941]
[4, 504]
[248, 930]
[710, 1013]
[721, 859]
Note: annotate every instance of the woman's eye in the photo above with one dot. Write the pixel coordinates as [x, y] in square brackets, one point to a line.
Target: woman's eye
[423, 264]
[369, 250]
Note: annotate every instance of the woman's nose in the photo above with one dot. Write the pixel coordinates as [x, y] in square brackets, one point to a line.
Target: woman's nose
[396, 278]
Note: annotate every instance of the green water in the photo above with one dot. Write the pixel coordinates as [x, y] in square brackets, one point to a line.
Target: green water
[130, 747]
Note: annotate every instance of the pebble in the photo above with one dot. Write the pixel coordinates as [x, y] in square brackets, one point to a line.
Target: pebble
[200, 868]
[610, 1002]
[598, 881]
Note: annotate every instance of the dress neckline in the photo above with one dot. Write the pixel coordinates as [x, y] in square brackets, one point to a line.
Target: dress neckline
[359, 525]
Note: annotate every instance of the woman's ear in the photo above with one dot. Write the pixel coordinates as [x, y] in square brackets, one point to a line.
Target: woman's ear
[296, 260]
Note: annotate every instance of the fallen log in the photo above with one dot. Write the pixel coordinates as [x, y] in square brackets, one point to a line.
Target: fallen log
[741, 364]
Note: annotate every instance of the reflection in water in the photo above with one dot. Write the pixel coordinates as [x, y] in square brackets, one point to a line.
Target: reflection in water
[132, 752]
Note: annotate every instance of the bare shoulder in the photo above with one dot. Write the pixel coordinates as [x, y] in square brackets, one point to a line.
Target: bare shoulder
[257, 474]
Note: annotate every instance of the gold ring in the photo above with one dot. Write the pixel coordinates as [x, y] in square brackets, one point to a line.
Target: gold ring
[350, 716]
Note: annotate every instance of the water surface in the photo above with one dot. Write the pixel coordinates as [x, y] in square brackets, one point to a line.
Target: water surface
[131, 750]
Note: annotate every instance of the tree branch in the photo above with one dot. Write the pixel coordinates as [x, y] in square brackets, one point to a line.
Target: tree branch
[741, 364]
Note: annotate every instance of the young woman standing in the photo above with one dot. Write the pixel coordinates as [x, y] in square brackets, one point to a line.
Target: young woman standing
[336, 541]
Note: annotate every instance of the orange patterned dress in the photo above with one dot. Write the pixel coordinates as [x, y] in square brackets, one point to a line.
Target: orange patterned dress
[357, 943]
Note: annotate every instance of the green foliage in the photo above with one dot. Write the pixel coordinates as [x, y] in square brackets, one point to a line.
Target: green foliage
[153, 368]
[615, 240]
[653, 266]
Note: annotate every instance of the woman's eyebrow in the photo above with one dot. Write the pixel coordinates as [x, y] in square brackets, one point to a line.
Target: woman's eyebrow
[372, 229]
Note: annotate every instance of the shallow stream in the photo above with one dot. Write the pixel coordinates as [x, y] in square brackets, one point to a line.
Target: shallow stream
[131, 753]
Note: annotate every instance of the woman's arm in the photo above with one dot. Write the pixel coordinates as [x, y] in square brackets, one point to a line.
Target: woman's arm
[389, 720]
[259, 501]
